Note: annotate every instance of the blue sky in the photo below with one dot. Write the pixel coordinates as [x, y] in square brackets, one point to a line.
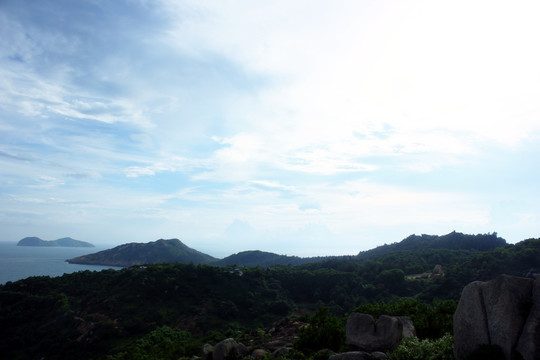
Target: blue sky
[297, 127]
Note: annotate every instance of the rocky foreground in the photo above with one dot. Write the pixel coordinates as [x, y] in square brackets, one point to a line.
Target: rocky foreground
[502, 314]
[499, 319]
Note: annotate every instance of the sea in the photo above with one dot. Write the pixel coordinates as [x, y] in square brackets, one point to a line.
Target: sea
[20, 262]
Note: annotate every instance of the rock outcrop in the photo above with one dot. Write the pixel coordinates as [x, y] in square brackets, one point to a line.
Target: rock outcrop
[229, 348]
[504, 312]
[363, 332]
[207, 352]
[409, 330]
[358, 355]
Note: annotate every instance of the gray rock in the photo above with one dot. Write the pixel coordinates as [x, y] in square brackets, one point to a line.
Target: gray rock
[506, 299]
[259, 353]
[282, 351]
[437, 271]
[409, 331]
[379, 355]
[529, 342]
[497, 313]
[351, 355]
[363, 332]
[241, 349]
[224, 349]
[207, 352]
[470, 321]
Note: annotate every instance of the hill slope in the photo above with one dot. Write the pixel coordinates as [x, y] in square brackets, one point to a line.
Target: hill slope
[63, 242]
[451, 241]
[97, 315]
[159, 251]
[263, 258]
[174, 250]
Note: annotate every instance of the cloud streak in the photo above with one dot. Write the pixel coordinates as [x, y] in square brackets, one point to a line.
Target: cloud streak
[359, 122]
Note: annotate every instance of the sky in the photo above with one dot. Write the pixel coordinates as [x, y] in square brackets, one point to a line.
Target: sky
[298, 127]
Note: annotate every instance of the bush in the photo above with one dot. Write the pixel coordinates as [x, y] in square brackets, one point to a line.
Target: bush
[323, 332]
[416, 349]
[160, 344]
[430, 321]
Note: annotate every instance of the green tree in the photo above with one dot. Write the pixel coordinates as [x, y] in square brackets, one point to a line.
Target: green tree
[416, 349]
[162, 343]
[323, 332]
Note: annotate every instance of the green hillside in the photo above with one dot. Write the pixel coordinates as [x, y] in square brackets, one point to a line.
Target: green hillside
[263, 258]
[451, 241]
[102, 315]
[155, 252]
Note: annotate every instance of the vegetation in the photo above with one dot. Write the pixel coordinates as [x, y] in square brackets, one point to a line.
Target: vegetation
[154, 252]
[430, 321]
[167, 311]
[427, 349]
[265, 259]
[162, 343]
[324, 332]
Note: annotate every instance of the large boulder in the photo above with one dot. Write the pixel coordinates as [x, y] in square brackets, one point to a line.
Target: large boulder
[351, 355]
[497, 313]
[259, 354]
[207, 352]
[409, 331]
[227, 349]
[364, 333]
[529, 341]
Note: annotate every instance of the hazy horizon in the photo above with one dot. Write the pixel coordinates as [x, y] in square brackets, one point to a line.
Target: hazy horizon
[300, 128]
[211, 252]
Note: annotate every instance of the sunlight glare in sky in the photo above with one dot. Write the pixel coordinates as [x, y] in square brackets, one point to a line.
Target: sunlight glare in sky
[302, 128]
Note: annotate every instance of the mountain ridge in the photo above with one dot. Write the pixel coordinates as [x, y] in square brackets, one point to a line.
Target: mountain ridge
[173, 250]
[451, 241]
[264, 258]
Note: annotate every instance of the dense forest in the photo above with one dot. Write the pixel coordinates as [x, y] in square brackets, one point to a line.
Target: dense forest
[176, 308]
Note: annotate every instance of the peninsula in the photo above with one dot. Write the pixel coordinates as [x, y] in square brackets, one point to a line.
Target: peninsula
[154, 252]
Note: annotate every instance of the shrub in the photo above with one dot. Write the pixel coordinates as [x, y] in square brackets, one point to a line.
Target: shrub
[430, 321]
[160, 344]
[323, 332]
[416, 349]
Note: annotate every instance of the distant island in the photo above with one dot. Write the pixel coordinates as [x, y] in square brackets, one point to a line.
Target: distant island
[63, 242]
[155, 252]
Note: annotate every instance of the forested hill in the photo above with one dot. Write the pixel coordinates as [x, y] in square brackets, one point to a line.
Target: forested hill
[451, 241]
[98, 315]
[263, 258]
[173, 250]
[159, 251]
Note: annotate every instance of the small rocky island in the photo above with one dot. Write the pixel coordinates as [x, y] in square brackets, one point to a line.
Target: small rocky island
[63, 242]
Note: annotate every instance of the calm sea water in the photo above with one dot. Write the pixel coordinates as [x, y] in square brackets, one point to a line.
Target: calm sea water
[19, 262]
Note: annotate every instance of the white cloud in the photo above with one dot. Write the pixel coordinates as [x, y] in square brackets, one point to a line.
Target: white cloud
[423, 68]
[136, 171]
[297, 117]
[272, 185]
